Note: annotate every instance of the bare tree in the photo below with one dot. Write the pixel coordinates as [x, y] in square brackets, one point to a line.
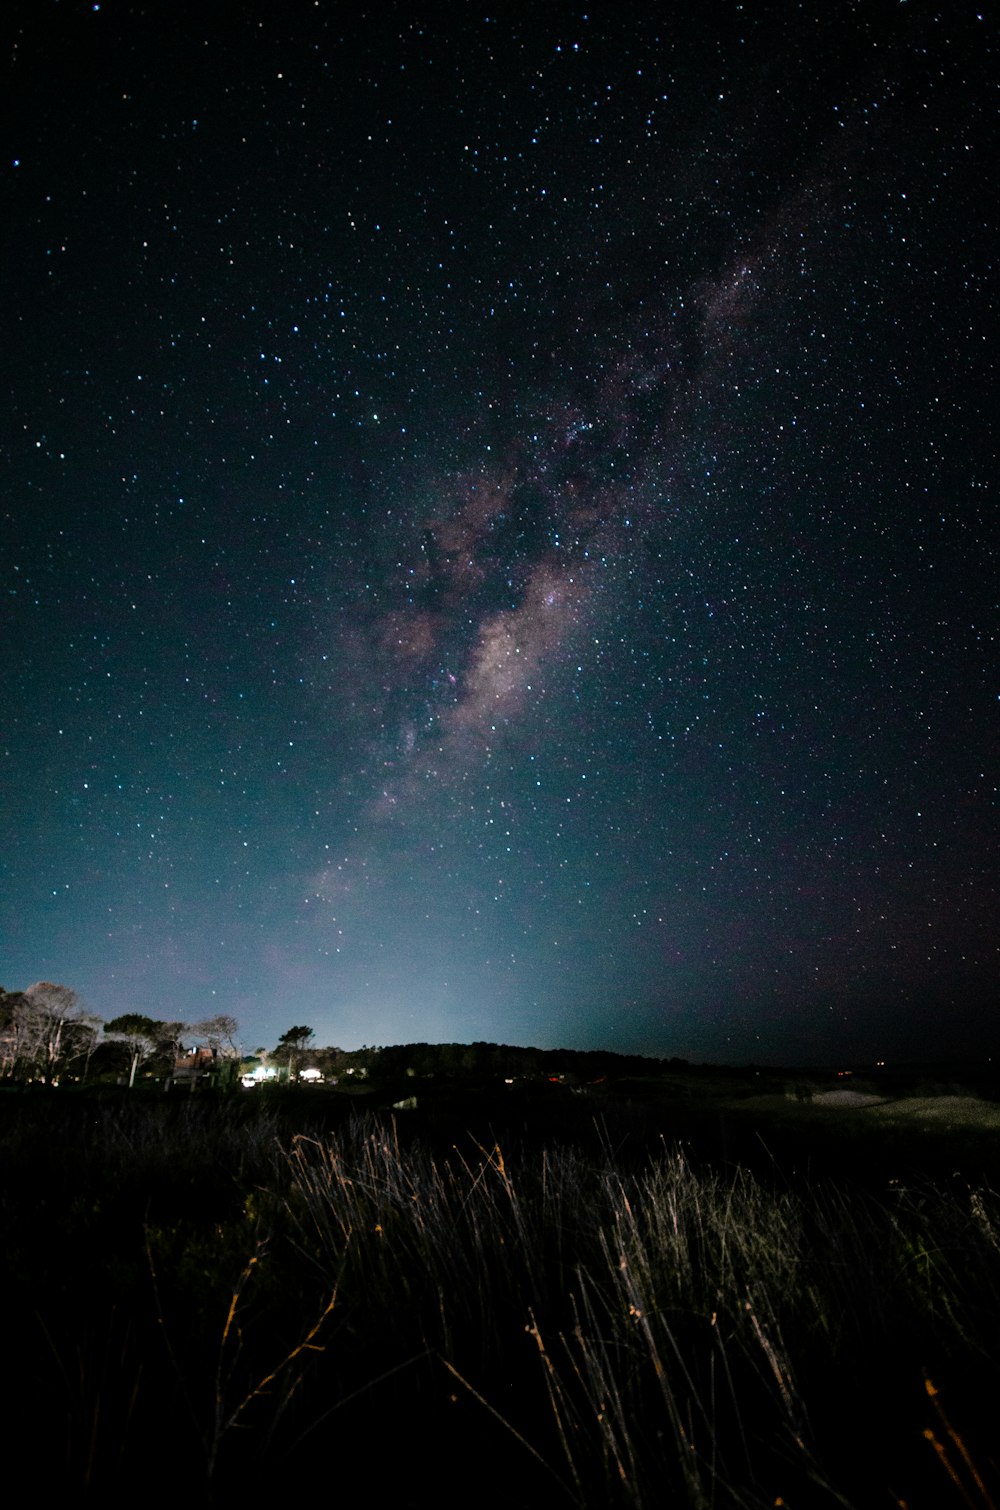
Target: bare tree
[219, 1036]
[51, 1030]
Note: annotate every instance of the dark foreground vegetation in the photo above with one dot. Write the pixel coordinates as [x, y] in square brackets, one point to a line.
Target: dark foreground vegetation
[514, 1295]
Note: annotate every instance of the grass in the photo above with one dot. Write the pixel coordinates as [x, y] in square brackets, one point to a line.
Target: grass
[513, 1319]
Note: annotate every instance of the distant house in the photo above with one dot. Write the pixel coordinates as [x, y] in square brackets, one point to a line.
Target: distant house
[190, 1067]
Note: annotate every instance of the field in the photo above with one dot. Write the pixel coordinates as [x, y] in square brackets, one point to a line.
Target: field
[673, 1292]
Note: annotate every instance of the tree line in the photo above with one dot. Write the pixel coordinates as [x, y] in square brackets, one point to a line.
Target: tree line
[458, 1061]
[48, 1035]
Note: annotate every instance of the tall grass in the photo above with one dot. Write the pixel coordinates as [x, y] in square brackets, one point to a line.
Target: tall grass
[517, 1324]
[694, 1332]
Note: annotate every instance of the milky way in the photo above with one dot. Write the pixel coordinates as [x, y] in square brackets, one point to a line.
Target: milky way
[499, 535]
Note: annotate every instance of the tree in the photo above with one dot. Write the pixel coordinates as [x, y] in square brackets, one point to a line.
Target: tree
[294, 1043]
[10, 1003]
[51, 1031]
[219, 1036]
[144, 1037]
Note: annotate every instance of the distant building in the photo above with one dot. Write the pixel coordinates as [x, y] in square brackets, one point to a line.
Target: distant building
[190, 1067]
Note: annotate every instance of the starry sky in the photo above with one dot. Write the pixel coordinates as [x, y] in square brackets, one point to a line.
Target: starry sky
[499, 521]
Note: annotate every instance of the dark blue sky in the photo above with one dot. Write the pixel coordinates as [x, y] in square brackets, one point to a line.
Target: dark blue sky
[499, 522]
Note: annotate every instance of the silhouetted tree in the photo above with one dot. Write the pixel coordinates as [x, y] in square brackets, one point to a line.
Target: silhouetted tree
[219, 1036]
[144, 1038]
[292, 1044]
[51, 1031]
[10, 1002]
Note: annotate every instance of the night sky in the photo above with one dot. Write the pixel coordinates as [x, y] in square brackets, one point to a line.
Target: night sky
[499, 521]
